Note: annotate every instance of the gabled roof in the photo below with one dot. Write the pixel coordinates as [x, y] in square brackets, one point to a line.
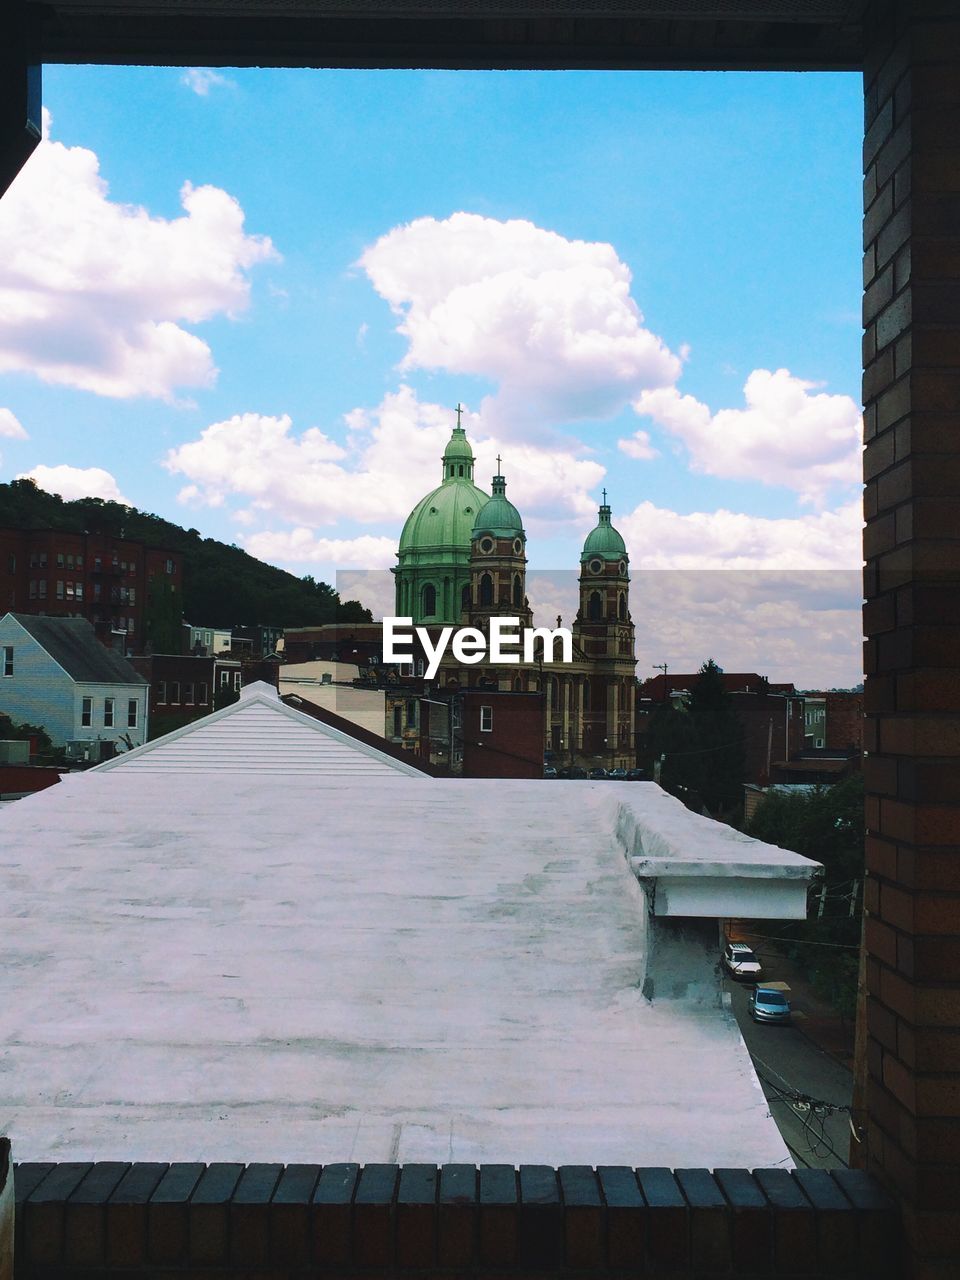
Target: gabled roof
[72, 643]
[262, 737]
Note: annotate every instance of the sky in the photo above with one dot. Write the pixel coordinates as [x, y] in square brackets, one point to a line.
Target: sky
[249, 301]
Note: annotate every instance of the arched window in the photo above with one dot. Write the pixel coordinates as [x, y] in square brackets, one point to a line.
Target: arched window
[517, 591]
[429, 600]
[465, 600]
[622, 607]
[486, 589]
[595, 607]
[461, 468]
[518, 685]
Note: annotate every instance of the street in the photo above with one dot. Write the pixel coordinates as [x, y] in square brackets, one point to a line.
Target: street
[789, 1064]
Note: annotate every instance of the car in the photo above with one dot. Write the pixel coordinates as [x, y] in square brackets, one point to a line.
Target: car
[597, 774]
[740, 962]
[617, 775]
[636, 775]
[549, 771]
[768, 1005]
[577, 771]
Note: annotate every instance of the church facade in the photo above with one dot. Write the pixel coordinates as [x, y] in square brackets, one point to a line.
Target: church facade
[462, 560]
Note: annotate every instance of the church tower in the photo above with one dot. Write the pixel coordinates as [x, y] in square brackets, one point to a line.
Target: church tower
[498, 561]
[433, 569]
[604, 632]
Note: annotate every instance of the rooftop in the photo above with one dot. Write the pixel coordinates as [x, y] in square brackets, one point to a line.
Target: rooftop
[73, 645]
[325, 968]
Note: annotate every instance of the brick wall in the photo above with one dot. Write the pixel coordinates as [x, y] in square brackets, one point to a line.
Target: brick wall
[909, 1061]
[187, 1219]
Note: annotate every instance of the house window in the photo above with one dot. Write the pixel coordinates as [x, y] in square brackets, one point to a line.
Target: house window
[69, 587]
[237, 680]
[43, 588]
[161, 691]
[486, 719]
[224, 679]
[397, 720]
[132, 713]
[69, 561]
[133, 595]
[174, 690]
[202, 699]
[8, 659]
[59, 589]
[188, 693]
[79, 590]
[169, 566]
[412, 714]
[819, 742]
[79, 562]
[59, 559]
[420, 667]
[108, 705]
[86, 712]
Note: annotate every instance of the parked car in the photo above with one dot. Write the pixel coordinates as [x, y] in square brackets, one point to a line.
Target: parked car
[740, 962]
[637, 775]
[617, 775]
[597, 774]
[767, 1005]
[577, 771]
[549, 771]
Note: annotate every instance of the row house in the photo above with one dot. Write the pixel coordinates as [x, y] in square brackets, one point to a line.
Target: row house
[97, 576]
[185, 687]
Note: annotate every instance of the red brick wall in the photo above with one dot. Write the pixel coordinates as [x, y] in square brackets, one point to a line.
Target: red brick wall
[909, 1059]
[514, 747]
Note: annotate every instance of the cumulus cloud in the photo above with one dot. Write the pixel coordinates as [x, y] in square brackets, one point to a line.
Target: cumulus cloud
[94, 294]
[391, 458]
[77, 482]
[639, 446]
[10, 426]
[302, 546]
[550, 320]
[202, 79]
[661, 539]
[787, 434]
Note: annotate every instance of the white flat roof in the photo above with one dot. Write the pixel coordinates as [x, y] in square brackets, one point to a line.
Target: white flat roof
[319, 969]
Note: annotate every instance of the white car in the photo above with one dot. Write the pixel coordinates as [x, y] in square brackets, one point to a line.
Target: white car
[740, 962]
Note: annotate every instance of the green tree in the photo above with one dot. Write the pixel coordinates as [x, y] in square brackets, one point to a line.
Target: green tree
[163, 615]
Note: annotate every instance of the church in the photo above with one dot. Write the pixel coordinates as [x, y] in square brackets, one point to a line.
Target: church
[462, 560]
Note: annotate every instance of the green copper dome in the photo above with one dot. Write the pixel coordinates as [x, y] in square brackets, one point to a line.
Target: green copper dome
[444, 518]
[499, 516]
[604, 541]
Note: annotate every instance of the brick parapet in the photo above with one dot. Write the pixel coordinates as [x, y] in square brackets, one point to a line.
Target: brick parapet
[909, 1068]
[83, 1219]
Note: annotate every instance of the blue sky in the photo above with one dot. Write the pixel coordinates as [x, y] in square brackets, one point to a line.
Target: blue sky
[362, 250]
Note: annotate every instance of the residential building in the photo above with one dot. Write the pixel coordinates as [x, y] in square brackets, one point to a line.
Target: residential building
[472, 733]
[263, 640]
[55, 673]
[833, 719]
[337, 687]
[181, 688]
[356, 642]
[206, 641]
[105, 579]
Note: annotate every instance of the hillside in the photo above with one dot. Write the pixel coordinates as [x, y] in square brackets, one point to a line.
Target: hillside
[223, 585]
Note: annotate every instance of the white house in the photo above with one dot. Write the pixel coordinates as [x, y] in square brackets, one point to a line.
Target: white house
[306, 951]
[54, 672]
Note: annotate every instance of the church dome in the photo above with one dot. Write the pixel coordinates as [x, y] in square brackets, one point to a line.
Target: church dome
[444, 518]
[499, 517]
[604, 541]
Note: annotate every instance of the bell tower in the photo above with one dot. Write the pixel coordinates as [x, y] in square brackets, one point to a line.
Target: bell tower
[498, 561]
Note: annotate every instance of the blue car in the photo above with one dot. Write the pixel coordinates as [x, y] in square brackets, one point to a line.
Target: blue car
[767, 1005]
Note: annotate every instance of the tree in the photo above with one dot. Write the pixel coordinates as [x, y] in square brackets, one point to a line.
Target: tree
[701, 746]
[163, 615]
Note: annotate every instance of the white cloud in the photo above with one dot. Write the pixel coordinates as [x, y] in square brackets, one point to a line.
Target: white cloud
[785, 436]
[391, 459]
[10, 426]
[660, 539]
[93, 293]
[550, 320]
[639, 446]
[77, 482]
[302, 546]
[202, 79]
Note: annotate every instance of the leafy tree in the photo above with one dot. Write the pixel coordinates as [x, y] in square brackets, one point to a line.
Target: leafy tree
[701, 746]
[163, 615]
